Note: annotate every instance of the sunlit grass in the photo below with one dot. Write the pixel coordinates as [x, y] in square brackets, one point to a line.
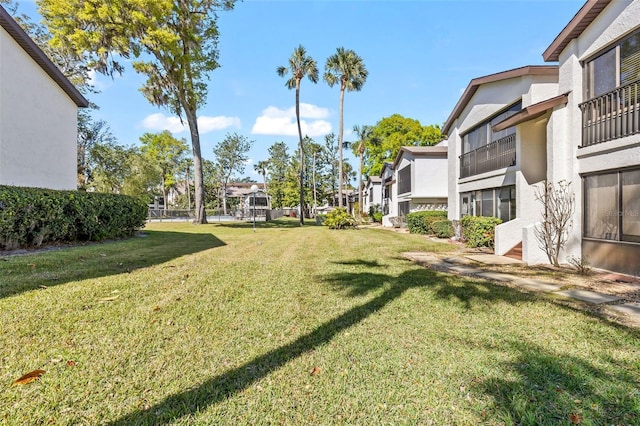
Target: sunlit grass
[217, 324]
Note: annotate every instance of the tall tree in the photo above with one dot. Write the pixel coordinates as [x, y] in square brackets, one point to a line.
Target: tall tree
[348, 69]
[278, 163]
[364, 134]
[300, 66]
[90, 132]
[167, 153]
[231, 159]
[261, 168]
[390, 134]
[330, 159]
[174, 43]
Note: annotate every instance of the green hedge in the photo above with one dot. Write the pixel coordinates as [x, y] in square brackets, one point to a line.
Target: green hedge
[339, 219]
[33, 216]
[479, 231]
[442, 228]
[420, 222]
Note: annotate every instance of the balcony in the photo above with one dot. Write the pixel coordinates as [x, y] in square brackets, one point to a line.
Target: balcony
[614, 115]
[496, 155]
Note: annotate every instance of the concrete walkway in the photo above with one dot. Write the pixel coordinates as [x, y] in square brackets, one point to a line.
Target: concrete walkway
[472, 265]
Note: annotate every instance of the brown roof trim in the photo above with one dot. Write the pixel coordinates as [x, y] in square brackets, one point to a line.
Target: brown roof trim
[491, 78]
[29, 46]
[531, 112]
[585, 16]
[421, 151]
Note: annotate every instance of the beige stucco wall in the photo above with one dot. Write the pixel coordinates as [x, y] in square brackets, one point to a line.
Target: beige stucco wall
[38, 123]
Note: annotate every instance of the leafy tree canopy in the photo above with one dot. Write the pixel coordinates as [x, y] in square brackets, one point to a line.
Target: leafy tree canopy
[390, 134]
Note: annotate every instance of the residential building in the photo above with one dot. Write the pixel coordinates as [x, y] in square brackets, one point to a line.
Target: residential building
[38, 120]
[372, 193]
[416, 180]
[389, 195]
[595, 137]
[421, 176]
[495, 162]
[577, 122]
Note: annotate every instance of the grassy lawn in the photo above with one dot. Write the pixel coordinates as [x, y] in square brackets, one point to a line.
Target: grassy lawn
[216, 324]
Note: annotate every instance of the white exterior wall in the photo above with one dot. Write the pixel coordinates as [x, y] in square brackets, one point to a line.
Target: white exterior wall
[430, 177]
[487, 101]
[567, 160]
[38, 124]
[375, 189]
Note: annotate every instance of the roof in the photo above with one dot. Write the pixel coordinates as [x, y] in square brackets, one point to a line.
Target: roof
[531, 112]
[421, 151]
[374, 179]
[32, 49]
[474, 84]
[585, 16]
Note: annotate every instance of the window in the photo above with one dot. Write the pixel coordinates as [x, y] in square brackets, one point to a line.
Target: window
[630, 212]
[371, 195]
[403, 208]
[404, 180]
[616, 67]
[601, 199]
[612, 206]
[496, 202]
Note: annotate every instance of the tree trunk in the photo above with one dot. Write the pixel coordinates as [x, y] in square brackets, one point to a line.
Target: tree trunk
[264, 180]
[188, 189]
[164, 193]
[360, 203]
[315, 201]
[301, 152]
[200, 214]
[340, 172]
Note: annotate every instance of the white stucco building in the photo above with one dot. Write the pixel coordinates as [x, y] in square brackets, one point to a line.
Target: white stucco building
[494, 164]
[372, 193]
[416, 180]
[38, 114]
[594, 140]
[577, 122]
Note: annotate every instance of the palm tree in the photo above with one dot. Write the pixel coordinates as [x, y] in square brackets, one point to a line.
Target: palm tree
[261, 168]
[364, 134]
[300, 66]
[346, 67]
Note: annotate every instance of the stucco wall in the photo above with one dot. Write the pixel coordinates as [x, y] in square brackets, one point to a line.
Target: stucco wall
[567, 160]
[487, 101]
[430, 179]
[38, 124]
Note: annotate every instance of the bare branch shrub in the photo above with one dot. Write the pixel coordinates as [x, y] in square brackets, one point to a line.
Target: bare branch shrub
[558, 205]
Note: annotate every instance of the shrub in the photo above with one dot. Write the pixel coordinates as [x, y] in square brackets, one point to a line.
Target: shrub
[479, 231]
[420, 222]
[33, 216]
[442, 228]
[377, 217]
[339, 219]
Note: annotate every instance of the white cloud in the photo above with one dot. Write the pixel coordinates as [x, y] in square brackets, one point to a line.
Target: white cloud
[280, 122]
[209, 124]
[159, 122]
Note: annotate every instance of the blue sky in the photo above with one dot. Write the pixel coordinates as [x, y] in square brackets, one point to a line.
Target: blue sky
[420, 55]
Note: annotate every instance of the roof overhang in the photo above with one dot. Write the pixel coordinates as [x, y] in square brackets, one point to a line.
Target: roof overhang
[531, 112]
[474, 84]
[32, 49]
[585, 16]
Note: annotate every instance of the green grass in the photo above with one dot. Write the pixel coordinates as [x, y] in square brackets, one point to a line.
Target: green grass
[217, 324]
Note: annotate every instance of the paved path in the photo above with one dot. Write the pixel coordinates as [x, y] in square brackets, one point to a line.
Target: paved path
[471, 265]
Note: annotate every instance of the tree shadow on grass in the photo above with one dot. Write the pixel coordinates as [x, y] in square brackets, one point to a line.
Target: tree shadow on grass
[54, 267]
[551, 389]
[219, 388]
[277, 223]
